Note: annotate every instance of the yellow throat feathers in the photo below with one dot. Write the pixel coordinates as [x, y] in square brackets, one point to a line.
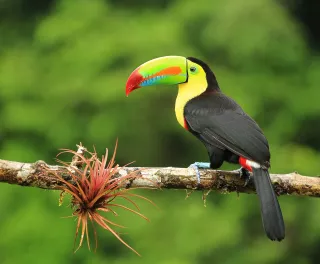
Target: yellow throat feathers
[196, 85]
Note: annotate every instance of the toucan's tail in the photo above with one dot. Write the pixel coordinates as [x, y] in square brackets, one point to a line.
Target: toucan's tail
[270, 209]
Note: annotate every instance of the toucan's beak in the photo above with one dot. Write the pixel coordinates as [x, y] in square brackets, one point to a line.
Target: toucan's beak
[163, 70]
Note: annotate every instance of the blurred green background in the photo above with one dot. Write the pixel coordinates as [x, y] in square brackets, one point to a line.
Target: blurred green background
[63, 69]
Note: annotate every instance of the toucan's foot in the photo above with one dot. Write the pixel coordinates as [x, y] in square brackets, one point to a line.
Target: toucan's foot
[199, 165]
[244, 174]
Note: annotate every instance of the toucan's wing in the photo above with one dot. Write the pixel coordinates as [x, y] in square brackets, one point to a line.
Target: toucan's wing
[221, 122]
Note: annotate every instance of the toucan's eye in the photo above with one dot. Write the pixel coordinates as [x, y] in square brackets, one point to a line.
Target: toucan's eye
[193, 69]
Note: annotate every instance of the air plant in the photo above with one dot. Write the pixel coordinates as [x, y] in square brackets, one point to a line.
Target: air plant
[95, 190]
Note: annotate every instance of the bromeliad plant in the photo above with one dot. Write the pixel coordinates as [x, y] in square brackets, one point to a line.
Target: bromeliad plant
[96, 191]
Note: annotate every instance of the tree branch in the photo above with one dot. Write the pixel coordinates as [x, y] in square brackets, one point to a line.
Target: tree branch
[40, 174]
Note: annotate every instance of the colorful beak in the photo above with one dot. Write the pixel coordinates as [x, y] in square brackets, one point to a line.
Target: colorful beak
[163, 70]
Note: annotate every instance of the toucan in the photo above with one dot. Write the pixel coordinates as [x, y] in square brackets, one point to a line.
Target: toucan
[227, 132]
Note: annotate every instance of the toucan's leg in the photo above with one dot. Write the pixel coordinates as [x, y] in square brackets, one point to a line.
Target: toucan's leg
[216, 156]
[245, 174]
[243, 171]
[199, 165]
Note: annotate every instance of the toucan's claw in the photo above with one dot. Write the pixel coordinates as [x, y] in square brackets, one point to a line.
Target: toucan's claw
[244, 174]
[199, 165]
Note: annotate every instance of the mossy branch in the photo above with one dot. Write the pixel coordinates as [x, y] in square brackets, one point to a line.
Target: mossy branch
[39, 174]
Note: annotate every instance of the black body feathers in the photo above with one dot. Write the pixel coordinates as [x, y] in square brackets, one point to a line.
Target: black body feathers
[228, 133]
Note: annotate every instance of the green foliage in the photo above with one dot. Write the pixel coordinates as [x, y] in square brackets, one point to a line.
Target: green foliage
[62, 81]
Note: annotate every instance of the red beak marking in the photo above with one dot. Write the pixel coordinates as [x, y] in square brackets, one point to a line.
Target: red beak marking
[134, 81]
